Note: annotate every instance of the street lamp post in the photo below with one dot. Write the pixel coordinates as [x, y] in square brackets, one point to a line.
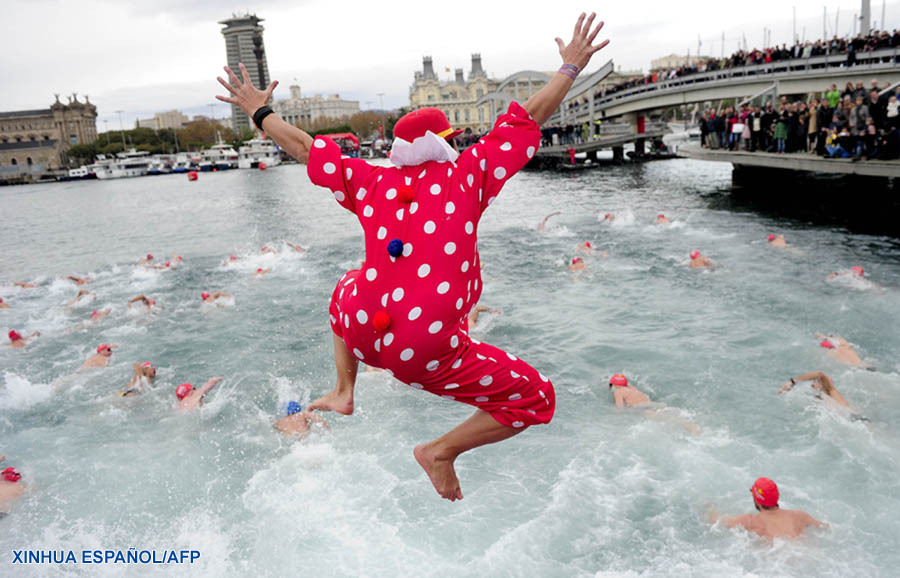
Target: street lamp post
[122, 129]
[106, 130]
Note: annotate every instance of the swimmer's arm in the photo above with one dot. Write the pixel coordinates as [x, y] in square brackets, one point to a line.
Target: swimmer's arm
[138, 298]
[744, 520]
[204, 389]
[810, 521]
[316, 418]
[246, 96]
[620, 401]
[578, 52]
[219, 294]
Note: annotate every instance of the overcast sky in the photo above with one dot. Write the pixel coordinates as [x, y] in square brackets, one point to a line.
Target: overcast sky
[154, 55]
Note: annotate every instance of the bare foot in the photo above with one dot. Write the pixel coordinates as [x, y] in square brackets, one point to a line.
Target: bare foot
[440, 472]
[341, 402]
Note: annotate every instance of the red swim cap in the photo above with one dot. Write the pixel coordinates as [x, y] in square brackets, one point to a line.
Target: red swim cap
[826, 344]
[1, 299]
[147, 364]
[618, 380]
[381, 320]
[765, 492]
[771, 237]
[858, 270]
[11, 474]
[587, 244]
[660, 216]
[607, 215]
[103, 347]
[149, 257]
[233, 258]
[695, 254]
[576, 260]
[94, 312]
[168, 263]
[182, 390]
[204, 295]
[14, 335]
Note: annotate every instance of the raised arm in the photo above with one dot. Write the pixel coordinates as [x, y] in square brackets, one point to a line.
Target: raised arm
[250, 99]
[577, 53]
[204, 389]
[812, 375]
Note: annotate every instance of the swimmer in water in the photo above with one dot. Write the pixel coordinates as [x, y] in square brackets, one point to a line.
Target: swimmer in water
[626, 395]
[97, 315]
[232, 259]
[855, 271]
[18, 341]
[478, 310]
[3, 304]
[777, 240]
[543, 224]
[577, 264]
[10, 486]
[143, 376]
[260, 271]
[610, 217]
[840, 350]
[771, 521]
[298, 421]
[143, 299]
[79, 280]
[101, 358]
[146, 260]
[585, 247]
[698, 260]
[24, 284]
[823, 385]
[81, 293]
[211, 297]
[662, 220]
[266, 249]
[296, 248]
[190, 398]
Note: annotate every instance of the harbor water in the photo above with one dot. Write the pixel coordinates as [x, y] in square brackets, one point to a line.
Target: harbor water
[600, 491]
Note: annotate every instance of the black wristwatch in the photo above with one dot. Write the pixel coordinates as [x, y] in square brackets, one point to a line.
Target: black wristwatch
[793, 382]
[260, 114]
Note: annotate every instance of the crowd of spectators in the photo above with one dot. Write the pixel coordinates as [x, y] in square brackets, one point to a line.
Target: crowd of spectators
[856, 122]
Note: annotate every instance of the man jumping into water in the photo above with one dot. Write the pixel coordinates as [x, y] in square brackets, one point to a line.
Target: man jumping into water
[405, 309]
[771, 521]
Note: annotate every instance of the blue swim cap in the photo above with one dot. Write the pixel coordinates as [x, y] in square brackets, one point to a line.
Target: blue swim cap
[293, 407]
[395, 248]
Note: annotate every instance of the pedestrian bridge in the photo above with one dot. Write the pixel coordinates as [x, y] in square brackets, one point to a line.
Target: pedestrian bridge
[795, 76]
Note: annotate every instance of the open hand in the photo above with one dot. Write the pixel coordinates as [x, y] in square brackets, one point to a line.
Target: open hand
[579, 51]
[786, 387]
[244, 94]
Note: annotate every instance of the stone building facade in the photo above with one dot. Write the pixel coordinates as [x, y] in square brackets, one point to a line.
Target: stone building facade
[302, 111]
[37, 140]
[458, 98]
[173, 119]
[244, 43]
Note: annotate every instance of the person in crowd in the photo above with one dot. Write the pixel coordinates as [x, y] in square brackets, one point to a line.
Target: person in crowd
[210, 298]
[101, 358]
[10, 487]
[142, 376]
[776, 240]
[97, 314]
[79, 280]
[190, 398]
[704, 129]
[698, 260]
[770, 521]
[661, 219]
[148, 303]
[833, 96]
[81, 293]
[781, 133]
[626, 395]
[297, 421]
[18, 341]
[4, 304]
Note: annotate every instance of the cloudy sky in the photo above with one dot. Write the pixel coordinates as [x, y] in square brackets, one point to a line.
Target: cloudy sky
[154, 55]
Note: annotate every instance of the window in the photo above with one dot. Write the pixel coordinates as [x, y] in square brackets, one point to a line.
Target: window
[29, 162]
[456, 116]
[18, 139]
[32, 138]
[430, 97]
[5, 140]
[45, 137]
[481, 115]
[480, 92]
[13, 162]
[467, 115]
[73, 139]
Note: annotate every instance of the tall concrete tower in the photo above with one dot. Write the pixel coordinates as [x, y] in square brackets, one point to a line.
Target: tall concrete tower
[244, 43]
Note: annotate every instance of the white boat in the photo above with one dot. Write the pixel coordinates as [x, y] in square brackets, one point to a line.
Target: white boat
[160, 165]
[219, 157]
[128, 164]
[182, 163]
[257, 151]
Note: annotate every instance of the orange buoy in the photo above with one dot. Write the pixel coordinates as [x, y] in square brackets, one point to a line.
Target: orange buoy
[263, 166]
[192, 175]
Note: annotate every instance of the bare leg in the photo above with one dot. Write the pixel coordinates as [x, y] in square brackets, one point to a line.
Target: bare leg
[340, 399]
[437, 457]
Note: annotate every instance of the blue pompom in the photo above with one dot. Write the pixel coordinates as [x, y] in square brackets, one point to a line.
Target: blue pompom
[293, 407]
[395, 248]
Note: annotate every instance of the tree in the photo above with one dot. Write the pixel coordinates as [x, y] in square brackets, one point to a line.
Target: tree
[365, 124]
[83, 152]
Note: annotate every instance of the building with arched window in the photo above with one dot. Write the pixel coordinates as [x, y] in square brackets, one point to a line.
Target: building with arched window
[457, 97]
[43, 136]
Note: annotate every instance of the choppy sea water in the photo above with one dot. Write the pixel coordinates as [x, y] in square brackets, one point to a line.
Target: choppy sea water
[598, 492]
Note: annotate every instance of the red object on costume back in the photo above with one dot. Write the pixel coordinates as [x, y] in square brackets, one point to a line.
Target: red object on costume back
[183, 390]
[415, 124]
[14, 335]
[429, 287]
[765, 492]
[11, 474]
[619, 380]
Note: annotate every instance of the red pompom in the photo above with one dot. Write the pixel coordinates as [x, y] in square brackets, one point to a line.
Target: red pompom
[381, 320]
[406, 194]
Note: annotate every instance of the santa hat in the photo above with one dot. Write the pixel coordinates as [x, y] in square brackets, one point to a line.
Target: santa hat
[421, 136]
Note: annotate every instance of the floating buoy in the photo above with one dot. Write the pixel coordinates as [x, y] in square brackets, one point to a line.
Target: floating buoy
[263, 166]
[192, 175]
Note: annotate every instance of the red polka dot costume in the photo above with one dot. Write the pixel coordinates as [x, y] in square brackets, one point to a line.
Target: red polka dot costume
[405, 309]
